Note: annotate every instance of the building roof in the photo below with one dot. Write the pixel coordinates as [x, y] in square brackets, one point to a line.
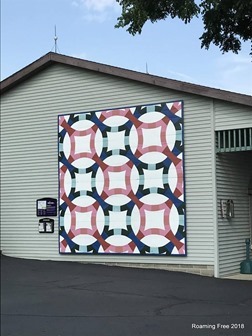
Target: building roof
[54, 58]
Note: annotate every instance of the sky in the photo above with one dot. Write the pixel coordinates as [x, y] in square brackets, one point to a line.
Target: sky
[85, 29]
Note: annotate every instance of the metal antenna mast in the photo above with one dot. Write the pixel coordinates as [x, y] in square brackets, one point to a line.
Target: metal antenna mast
[55, 40]
[147, 68]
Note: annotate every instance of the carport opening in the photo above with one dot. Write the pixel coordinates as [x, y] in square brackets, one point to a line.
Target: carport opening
[250, 210]
[250, 187]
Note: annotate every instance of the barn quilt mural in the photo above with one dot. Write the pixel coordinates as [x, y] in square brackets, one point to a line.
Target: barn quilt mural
[121, 181]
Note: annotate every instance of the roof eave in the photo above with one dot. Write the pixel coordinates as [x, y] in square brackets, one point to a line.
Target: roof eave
[25, 73]
[171, 84]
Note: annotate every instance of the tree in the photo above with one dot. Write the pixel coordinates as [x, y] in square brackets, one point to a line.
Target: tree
[226, 22]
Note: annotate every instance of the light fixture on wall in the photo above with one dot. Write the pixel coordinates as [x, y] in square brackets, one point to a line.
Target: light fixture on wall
[230, 208]
[227, 208]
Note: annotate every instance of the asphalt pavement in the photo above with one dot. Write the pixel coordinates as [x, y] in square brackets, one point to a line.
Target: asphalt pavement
[69, 299]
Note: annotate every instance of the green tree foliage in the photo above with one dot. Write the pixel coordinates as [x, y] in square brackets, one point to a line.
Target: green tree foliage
[226, 22]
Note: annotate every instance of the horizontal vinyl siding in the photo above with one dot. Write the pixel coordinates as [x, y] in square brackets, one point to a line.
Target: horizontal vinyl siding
[30, 168]
[234, 172]
[232, 116]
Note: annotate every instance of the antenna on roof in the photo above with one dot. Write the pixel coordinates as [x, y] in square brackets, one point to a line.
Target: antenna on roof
[55, 40]
[147, 68]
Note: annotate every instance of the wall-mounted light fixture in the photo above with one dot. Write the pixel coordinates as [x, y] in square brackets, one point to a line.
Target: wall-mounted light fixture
[227, 208]
[230, 209]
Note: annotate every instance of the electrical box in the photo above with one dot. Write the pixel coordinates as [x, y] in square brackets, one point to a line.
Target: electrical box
[46, 225]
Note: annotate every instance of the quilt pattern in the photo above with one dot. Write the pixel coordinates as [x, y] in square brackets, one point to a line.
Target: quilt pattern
[121, 181]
